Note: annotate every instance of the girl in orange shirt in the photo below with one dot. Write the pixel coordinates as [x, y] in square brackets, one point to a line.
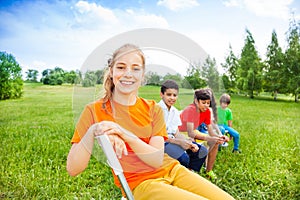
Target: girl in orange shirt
[136, 129]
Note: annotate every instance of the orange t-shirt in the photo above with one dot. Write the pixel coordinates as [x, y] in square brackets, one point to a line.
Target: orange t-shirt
[144, 119]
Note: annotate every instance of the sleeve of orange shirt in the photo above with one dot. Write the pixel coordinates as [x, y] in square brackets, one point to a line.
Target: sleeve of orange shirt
[85, 120]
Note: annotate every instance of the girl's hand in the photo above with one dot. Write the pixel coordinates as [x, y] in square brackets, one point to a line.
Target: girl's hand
[112, 128]
[118, 145]
[216, 139]
[117, 135]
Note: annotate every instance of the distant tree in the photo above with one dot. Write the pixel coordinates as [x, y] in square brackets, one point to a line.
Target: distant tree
[45, 76]
[53, 76]
[89, 79]
[194, 78]
[176, 77]
[227, 84]
[211, 74]
[100, 75]
[70, 77]
[292, 60]
[32, 75]
[250, 68]
[152, 78]
[79, 78]
[273, 68]
[230, 67]
[11, 83]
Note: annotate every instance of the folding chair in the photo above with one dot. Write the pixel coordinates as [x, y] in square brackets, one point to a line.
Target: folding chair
[114, 163]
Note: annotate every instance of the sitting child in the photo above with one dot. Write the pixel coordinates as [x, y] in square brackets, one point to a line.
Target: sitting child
[225, 121]
[190, 154]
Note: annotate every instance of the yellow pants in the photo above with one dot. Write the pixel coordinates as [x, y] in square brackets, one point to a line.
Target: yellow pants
[179, 183]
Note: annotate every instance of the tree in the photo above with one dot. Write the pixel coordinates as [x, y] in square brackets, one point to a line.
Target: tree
[292, 60]
[11, 83]
[176, 77]
[100, 76]
[152, 78]
[250, 68]
[53, 77]
[273, 68]
[32, 75]
[230, 66]
[193, 78]
[211, 74]
[89, 79]
[70, 77]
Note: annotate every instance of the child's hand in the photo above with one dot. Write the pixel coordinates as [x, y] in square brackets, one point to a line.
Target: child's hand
[225, 138]
[185, 144]
[216, 139]
[194, 147]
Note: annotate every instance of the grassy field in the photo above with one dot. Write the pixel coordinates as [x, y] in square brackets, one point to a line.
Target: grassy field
[36, 132]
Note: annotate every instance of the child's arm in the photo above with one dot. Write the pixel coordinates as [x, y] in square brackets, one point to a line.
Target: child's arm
[182, 141]
[229, 123]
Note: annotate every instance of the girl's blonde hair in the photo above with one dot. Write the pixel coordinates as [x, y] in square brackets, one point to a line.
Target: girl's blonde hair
[108, 84]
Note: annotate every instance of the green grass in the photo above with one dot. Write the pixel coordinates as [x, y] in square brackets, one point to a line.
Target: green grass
[36, 132]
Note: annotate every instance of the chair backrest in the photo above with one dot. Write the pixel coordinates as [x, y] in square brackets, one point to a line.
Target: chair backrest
[114, 163]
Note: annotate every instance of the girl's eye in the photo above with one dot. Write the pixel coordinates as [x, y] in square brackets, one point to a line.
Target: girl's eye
[137, 68]
[120, 67]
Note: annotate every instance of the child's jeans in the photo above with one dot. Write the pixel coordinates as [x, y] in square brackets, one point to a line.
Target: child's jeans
[233, 133]
[188, 158]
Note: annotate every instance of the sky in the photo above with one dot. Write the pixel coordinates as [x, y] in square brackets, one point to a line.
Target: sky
[46, 34]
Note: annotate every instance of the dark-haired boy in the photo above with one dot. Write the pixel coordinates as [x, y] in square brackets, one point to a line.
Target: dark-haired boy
[188, 153]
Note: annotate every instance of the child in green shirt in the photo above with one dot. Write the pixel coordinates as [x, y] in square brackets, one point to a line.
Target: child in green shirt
[225, 121]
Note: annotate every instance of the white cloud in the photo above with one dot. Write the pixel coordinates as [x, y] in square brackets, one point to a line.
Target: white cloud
[66, 38]
[264, 8]
[64, 34]
[150, 20]
[88, 14]
[176, 5]
[231, 3]
[272, 8]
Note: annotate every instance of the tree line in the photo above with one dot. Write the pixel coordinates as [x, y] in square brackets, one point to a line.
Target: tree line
[245, 73]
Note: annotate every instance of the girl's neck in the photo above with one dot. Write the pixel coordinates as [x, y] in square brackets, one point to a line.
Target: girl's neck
[126, 100]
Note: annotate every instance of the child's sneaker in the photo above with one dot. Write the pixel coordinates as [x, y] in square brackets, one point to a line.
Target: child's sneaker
[211, 175]
[236, 151]
[225, 144]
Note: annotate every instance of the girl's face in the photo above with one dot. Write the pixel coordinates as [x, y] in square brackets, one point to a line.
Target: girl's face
[169, 97]
[224, 105]
[127, 73]
[203, 105]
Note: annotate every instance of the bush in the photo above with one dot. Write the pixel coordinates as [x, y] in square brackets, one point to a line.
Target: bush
[11, 83]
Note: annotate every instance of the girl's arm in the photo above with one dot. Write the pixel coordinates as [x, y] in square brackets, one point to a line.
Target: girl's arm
[80, 153]
[152, 153]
